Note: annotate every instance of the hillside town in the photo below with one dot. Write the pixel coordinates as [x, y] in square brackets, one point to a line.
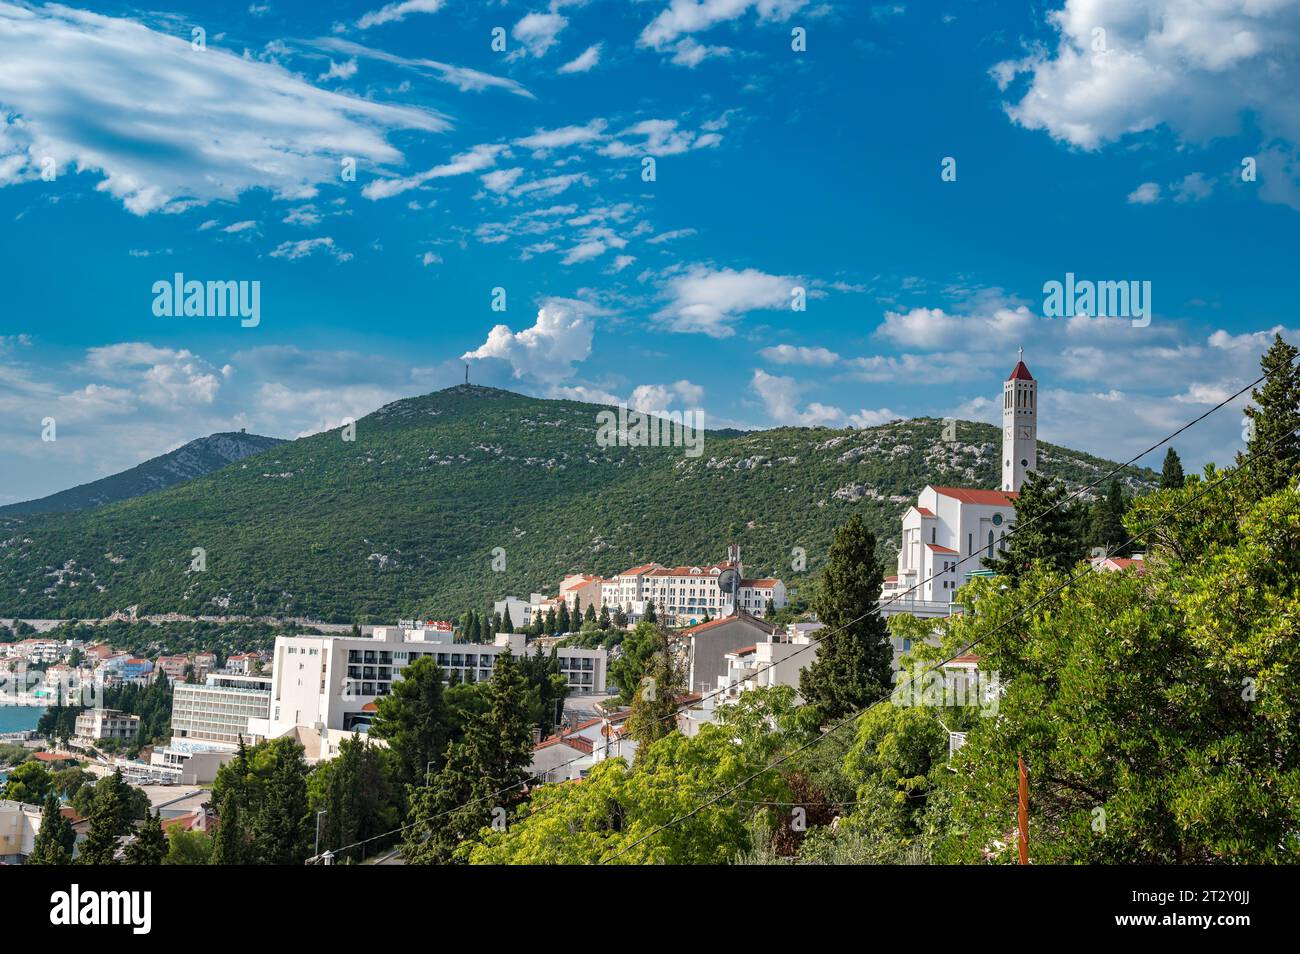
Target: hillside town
[731, 633]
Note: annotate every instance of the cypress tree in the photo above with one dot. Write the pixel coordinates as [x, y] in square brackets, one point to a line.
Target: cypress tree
[106, 811]
[589, 614]
[150, 845]
[228, 845]
[1171, 477]
[562, 623]
[855, 659]
[604, 620]
[507, 625]
[1274, 445]
[55, 838]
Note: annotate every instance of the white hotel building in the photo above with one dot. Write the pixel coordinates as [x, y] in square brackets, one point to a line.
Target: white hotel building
[686, 594]
[948, 525]
[324, 688]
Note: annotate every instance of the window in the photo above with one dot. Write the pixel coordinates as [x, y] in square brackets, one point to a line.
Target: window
[990, 544]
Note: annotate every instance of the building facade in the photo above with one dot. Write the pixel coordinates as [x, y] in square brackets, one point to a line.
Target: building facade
[218, 710]
[101, 724]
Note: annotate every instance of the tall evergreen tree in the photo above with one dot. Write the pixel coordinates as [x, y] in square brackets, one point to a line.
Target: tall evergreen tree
[55, 838]
[854, 661]
[483, 775]
[654, 700]
[650, 616]
[507, 625]
[414, 721]
[228, 843]
[1274, 446]
[1171, 477]
[1106, 526]
[548, 627]
[604, 620]
[562, 621]
[280, 829]
[106, 812]
[589, 614]
[356, 793]
[1044, 530]
[150, 844]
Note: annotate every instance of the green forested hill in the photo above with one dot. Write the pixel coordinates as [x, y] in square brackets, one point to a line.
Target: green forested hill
[403, 520]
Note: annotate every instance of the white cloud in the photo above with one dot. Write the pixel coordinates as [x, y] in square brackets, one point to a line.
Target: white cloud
[1145, 194]
[397, 12]
[781, 395]
[691, 54]
[670, 236]
[538, 32]
[475, 159]
[684, 17]
[501, 180]
[104, 94]
[1193, 188]
[240, 226]
[431, 258]
[161, 377]
[307, 247]
[344, 70]
[542, 141]
[584, 61]
[933, 328]
[462, 77]
[560, 337]
[658, 398]
[658, 137]
[795, 354]
[704, 300]
[1197, 68]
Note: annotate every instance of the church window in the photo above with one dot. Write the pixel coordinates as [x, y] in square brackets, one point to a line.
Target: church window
[990, 544]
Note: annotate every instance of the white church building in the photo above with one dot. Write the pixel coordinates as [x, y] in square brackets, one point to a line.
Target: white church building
[948, 524]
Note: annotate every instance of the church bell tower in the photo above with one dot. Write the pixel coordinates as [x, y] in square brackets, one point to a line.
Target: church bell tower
[1019, 426]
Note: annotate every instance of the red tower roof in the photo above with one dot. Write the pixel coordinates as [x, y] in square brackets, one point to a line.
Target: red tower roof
[1020, 373]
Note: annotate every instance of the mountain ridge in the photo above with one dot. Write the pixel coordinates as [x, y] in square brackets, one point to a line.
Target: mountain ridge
[193, 459]
[405, 519]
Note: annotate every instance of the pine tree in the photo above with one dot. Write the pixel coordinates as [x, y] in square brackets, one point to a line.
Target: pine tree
[507, 625]
[1274, 445]
[483, 775]
[604, 620]
[150, 844]
[279, 825]
[548, 627]
[106, 812]
[1106, 526]
[55, 838]
[1171, 478]
[562, 621]
[855, 658]
[589, 614]
[228, 844]
[655, 699]
[650, 616]
[414, 720]
[1044, 530]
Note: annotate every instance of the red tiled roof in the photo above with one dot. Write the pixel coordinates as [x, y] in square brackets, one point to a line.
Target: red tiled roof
[940, 549]
[578, 742]
[1020, 373]
[924, 511]
[743, 651]
[54, 756]
[970, 495]
[766, 583]
[638, 570]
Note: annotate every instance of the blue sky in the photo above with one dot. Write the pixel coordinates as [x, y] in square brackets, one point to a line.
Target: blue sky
[522, 168]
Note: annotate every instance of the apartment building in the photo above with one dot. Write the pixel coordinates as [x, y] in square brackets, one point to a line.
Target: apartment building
[100, 724]
[329, 685]
[218, 710]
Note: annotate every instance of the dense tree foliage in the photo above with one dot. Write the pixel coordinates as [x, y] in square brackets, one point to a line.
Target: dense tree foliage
[854, 658]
